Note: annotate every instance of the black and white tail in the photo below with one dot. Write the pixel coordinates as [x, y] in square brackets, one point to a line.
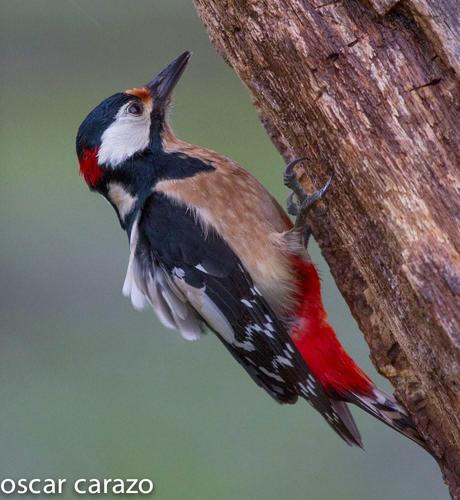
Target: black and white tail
[385, 407]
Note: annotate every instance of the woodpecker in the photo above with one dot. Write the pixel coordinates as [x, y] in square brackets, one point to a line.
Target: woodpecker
[211, 248]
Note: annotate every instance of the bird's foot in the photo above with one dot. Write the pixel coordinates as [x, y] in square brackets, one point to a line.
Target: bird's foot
[299, 203]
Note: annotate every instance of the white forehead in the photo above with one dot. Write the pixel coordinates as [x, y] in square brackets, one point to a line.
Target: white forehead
[127, 135]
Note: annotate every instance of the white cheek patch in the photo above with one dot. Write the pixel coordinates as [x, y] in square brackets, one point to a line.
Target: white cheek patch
[126, 136]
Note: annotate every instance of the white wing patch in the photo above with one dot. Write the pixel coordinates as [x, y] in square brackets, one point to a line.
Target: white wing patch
[207, 309]
[153, 287]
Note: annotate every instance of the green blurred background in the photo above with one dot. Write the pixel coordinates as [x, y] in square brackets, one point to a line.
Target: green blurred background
[91, 388]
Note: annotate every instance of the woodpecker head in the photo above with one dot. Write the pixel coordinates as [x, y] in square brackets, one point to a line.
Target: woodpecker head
[126, 126]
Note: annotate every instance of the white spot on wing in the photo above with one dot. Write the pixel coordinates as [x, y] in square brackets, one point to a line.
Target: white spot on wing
[271, 374]
[309, 389]
[269, 327]
[247, 345]
[177, 271]
[246, 303]
[201, 268]
[287, 353]
[283, 361]
[311, 384]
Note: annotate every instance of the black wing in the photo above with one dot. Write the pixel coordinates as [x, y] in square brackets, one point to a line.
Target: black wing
[203, 271]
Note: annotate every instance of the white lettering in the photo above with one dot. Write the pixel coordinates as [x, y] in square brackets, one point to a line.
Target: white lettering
[61, 483]
[4, 487]
[106, 485]
[118, 487]
[76, 486]
[150, 486]
[21, 487]
[31, 487]
[90, 486]
[132, 490]
[94, 487]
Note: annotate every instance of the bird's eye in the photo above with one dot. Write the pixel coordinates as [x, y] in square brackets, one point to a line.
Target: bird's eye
[134, 109]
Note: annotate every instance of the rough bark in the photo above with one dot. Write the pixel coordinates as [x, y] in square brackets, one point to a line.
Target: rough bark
[370, 90]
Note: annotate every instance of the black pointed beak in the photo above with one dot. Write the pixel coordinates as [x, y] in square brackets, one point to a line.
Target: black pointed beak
[163, 84]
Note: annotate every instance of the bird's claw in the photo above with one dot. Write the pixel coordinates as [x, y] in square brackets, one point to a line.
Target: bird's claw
[299, 203]
[290, 178]
[309, 201]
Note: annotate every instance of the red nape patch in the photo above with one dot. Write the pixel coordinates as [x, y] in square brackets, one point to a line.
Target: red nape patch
[316, 340]
[89, 168]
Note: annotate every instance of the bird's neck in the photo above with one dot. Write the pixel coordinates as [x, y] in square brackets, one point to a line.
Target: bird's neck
[127, 186]
[170, 143]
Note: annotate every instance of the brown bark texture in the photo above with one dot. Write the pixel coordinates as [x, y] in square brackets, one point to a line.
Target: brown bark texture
[371, 91]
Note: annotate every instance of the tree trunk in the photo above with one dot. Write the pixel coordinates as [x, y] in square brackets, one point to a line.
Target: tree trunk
[371, 92]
